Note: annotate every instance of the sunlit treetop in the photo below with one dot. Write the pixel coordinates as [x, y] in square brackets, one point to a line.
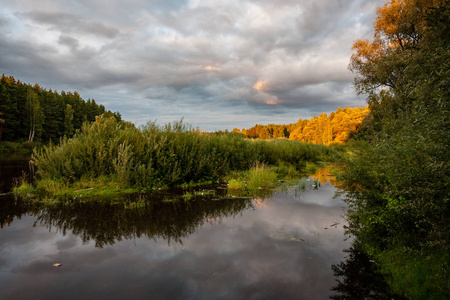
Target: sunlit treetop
[366, 50]
[399, 26]
[399, 23]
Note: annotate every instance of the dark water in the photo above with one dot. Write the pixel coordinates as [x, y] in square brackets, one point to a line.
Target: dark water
[11, 166]
[276, 247]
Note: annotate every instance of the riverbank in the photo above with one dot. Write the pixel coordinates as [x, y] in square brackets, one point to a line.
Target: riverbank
[257, 181]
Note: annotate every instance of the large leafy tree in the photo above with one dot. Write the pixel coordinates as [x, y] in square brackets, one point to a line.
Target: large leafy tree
[399, 29]
[398, 183]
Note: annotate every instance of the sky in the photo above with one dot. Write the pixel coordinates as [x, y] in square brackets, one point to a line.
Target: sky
[218, 64]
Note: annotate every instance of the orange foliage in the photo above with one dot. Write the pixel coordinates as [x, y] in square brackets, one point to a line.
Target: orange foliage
[367, 50]
[324, 129]
[389, 17]
[399, 23]
[399, 19]
[334, 128]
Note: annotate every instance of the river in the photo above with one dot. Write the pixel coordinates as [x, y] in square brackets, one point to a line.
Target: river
[277, 246]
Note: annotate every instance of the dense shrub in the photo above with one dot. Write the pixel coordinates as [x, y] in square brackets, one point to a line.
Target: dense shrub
[158, 156]
[398, 181]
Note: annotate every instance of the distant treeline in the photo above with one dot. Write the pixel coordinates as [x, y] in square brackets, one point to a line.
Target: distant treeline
[34, 113]
[324, 129]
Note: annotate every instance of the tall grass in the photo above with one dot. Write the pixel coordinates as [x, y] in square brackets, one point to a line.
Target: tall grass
[159, 156]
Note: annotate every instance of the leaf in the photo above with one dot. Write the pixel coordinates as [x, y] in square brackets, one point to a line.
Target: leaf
[57, 265]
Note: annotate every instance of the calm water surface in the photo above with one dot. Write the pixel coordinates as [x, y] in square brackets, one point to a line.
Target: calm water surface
[11, 166]
[276, 247]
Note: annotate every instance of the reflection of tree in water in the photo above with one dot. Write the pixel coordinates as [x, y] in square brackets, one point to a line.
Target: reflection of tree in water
[167, 214]
[324, 175]
[358, 278]
[108, 223]
[11, 208]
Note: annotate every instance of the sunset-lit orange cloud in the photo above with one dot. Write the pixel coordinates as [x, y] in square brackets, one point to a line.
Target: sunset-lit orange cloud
[211, 68]
[148, 58]
[260, 85]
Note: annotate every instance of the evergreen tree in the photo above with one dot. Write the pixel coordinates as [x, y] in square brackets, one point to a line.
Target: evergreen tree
[1, 125]
[68, 121]
[32, 112]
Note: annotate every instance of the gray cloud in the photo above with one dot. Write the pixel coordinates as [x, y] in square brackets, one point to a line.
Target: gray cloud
[67, 22]
[3, 21]
[263, 58]
[69, 41]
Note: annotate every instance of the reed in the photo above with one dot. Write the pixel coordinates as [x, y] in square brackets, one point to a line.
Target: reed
[155, 156]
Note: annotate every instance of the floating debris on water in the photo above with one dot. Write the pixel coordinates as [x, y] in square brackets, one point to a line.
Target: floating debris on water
[284, 235]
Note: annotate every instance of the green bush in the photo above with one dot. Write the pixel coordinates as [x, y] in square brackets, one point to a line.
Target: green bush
[160, 156]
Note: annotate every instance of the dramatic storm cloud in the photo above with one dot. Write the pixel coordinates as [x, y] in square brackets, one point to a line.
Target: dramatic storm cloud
[217, 63]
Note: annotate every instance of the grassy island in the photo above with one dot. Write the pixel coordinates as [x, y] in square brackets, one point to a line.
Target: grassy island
[111, 156]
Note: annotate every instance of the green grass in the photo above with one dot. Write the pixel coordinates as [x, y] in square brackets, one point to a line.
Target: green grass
[111, 157]
[262, 176]
[310, 168]
[85, 187]
[24, 189]
[236, 184]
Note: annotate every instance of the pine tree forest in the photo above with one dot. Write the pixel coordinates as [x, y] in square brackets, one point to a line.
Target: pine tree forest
[34, 113]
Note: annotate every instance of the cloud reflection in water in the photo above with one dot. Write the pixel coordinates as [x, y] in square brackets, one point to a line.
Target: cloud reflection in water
[231, 250]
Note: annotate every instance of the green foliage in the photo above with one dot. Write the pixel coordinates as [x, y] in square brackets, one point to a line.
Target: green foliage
[398, 199]
[398, 179]
[31, 112]
[188, 196]
[260, 177]
[235, 184]
[35, 114]
[24, 148]
[55, 187]
[24, 189]
[68, 121]
[159, 156]
[286, 171]
[415, 275]
[360, 278]
[257, 177]
[310, 168]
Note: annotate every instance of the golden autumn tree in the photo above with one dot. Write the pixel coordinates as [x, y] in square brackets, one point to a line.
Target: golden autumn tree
[323, 129]
[398, 28]
[334, 128]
